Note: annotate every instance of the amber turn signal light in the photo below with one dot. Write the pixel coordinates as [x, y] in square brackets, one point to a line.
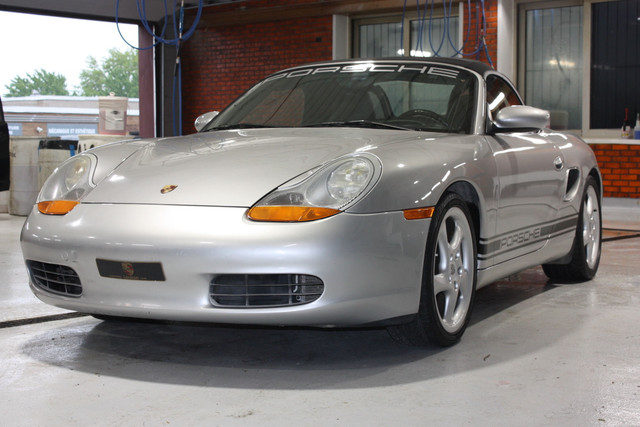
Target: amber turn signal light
[289, 213]
[57, 207]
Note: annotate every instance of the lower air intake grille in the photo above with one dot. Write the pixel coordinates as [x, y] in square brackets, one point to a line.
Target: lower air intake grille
[264, 290]
[58, 279]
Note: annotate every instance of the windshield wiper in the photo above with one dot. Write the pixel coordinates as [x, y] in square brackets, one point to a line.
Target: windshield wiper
[239, 126]
[358, 123]
[350, 123]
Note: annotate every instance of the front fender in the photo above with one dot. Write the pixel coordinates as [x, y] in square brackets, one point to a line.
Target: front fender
[418, 173]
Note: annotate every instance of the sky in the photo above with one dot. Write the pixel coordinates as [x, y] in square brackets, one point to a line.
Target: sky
[58, 45]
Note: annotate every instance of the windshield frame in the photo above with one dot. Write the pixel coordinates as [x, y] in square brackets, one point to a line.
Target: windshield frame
[364, 68]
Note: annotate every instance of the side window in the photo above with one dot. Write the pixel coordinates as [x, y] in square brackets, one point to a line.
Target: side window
[379, 104]
[500, 94]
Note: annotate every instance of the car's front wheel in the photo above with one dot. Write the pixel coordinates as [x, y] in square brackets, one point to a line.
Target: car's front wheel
[449, 278]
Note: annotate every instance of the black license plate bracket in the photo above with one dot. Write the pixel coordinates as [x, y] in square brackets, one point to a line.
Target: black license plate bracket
[128, 270]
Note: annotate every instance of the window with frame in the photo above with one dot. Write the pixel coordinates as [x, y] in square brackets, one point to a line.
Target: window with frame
[585, 82]
[615, 63]
[421, 33]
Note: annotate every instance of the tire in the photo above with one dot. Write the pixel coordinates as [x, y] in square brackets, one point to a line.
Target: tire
[119, 319]
[587, 243]
[107, 318]
[449, 279]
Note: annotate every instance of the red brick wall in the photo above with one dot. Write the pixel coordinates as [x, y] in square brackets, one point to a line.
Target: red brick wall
[620, 168]
[220, 63]
[477, 31]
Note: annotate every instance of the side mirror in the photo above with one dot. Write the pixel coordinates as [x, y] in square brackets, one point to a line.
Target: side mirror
[520, 118]
[204, 119]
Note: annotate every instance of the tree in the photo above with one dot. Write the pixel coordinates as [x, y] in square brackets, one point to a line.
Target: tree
[41, 82]
[118, 73]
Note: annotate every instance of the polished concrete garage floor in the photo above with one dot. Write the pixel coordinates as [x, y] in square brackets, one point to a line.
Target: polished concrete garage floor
[535, 354]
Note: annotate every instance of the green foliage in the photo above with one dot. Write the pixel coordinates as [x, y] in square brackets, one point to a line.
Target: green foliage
[118, 73]
[41, 82]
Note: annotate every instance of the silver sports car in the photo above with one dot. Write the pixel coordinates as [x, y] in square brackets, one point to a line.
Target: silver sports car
[345, 193]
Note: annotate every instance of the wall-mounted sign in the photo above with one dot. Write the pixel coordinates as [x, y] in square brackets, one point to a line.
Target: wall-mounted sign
[15, 129]
[70, 129]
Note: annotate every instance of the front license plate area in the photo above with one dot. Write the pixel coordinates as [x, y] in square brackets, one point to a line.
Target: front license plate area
[149, 271]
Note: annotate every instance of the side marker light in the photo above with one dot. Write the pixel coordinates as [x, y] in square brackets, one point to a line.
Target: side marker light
[419, 213]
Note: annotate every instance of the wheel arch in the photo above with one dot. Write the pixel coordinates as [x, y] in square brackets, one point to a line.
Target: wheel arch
[468, 193]
[595, 173]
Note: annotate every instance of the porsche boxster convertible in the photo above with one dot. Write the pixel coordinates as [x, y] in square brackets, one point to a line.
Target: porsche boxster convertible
[343, 193]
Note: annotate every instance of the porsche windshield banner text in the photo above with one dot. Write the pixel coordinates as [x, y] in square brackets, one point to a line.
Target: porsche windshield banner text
[369, 68]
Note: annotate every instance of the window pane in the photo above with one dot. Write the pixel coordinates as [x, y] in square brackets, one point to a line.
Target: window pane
[553, 64]
[615, 63]
[380, 40]
[435, 40]
[500, 94]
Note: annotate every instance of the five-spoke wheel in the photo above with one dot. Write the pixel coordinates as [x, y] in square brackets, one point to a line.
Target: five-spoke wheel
[449, 278]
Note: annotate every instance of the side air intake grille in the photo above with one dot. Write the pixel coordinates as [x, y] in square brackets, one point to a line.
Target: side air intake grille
[264, 290]
[54, 278]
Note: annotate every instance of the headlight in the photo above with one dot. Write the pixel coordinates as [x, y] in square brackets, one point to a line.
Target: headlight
[319, 193]
[67, 185]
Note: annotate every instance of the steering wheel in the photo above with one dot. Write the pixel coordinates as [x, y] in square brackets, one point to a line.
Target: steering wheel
[423, 117]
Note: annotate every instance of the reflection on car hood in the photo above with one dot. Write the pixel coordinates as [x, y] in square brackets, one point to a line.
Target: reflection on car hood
[229, 168]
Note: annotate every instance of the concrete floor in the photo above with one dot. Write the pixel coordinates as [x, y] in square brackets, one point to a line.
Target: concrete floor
[534, 354]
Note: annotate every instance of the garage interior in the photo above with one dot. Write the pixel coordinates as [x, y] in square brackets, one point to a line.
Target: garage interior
[535, 353]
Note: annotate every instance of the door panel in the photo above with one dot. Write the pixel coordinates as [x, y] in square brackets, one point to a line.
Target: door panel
[531, 176]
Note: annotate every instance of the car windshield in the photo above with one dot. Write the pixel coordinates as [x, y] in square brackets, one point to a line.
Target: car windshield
[425, 97]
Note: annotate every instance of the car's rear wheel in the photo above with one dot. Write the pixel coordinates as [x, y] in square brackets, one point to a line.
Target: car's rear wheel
[449, 279]
[587, 243]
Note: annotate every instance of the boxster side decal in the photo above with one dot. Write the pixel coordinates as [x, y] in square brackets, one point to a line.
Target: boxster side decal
[517, 239]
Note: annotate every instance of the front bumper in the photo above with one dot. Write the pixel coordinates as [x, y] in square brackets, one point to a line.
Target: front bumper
[371, 265]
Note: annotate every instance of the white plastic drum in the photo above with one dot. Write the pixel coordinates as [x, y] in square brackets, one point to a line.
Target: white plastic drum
[51, 153]
[23, 191]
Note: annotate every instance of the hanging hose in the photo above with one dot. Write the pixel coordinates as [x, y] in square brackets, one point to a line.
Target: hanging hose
[182, 36]
[481, 30]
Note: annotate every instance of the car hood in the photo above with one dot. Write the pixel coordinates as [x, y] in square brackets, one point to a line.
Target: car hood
[229, 168]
